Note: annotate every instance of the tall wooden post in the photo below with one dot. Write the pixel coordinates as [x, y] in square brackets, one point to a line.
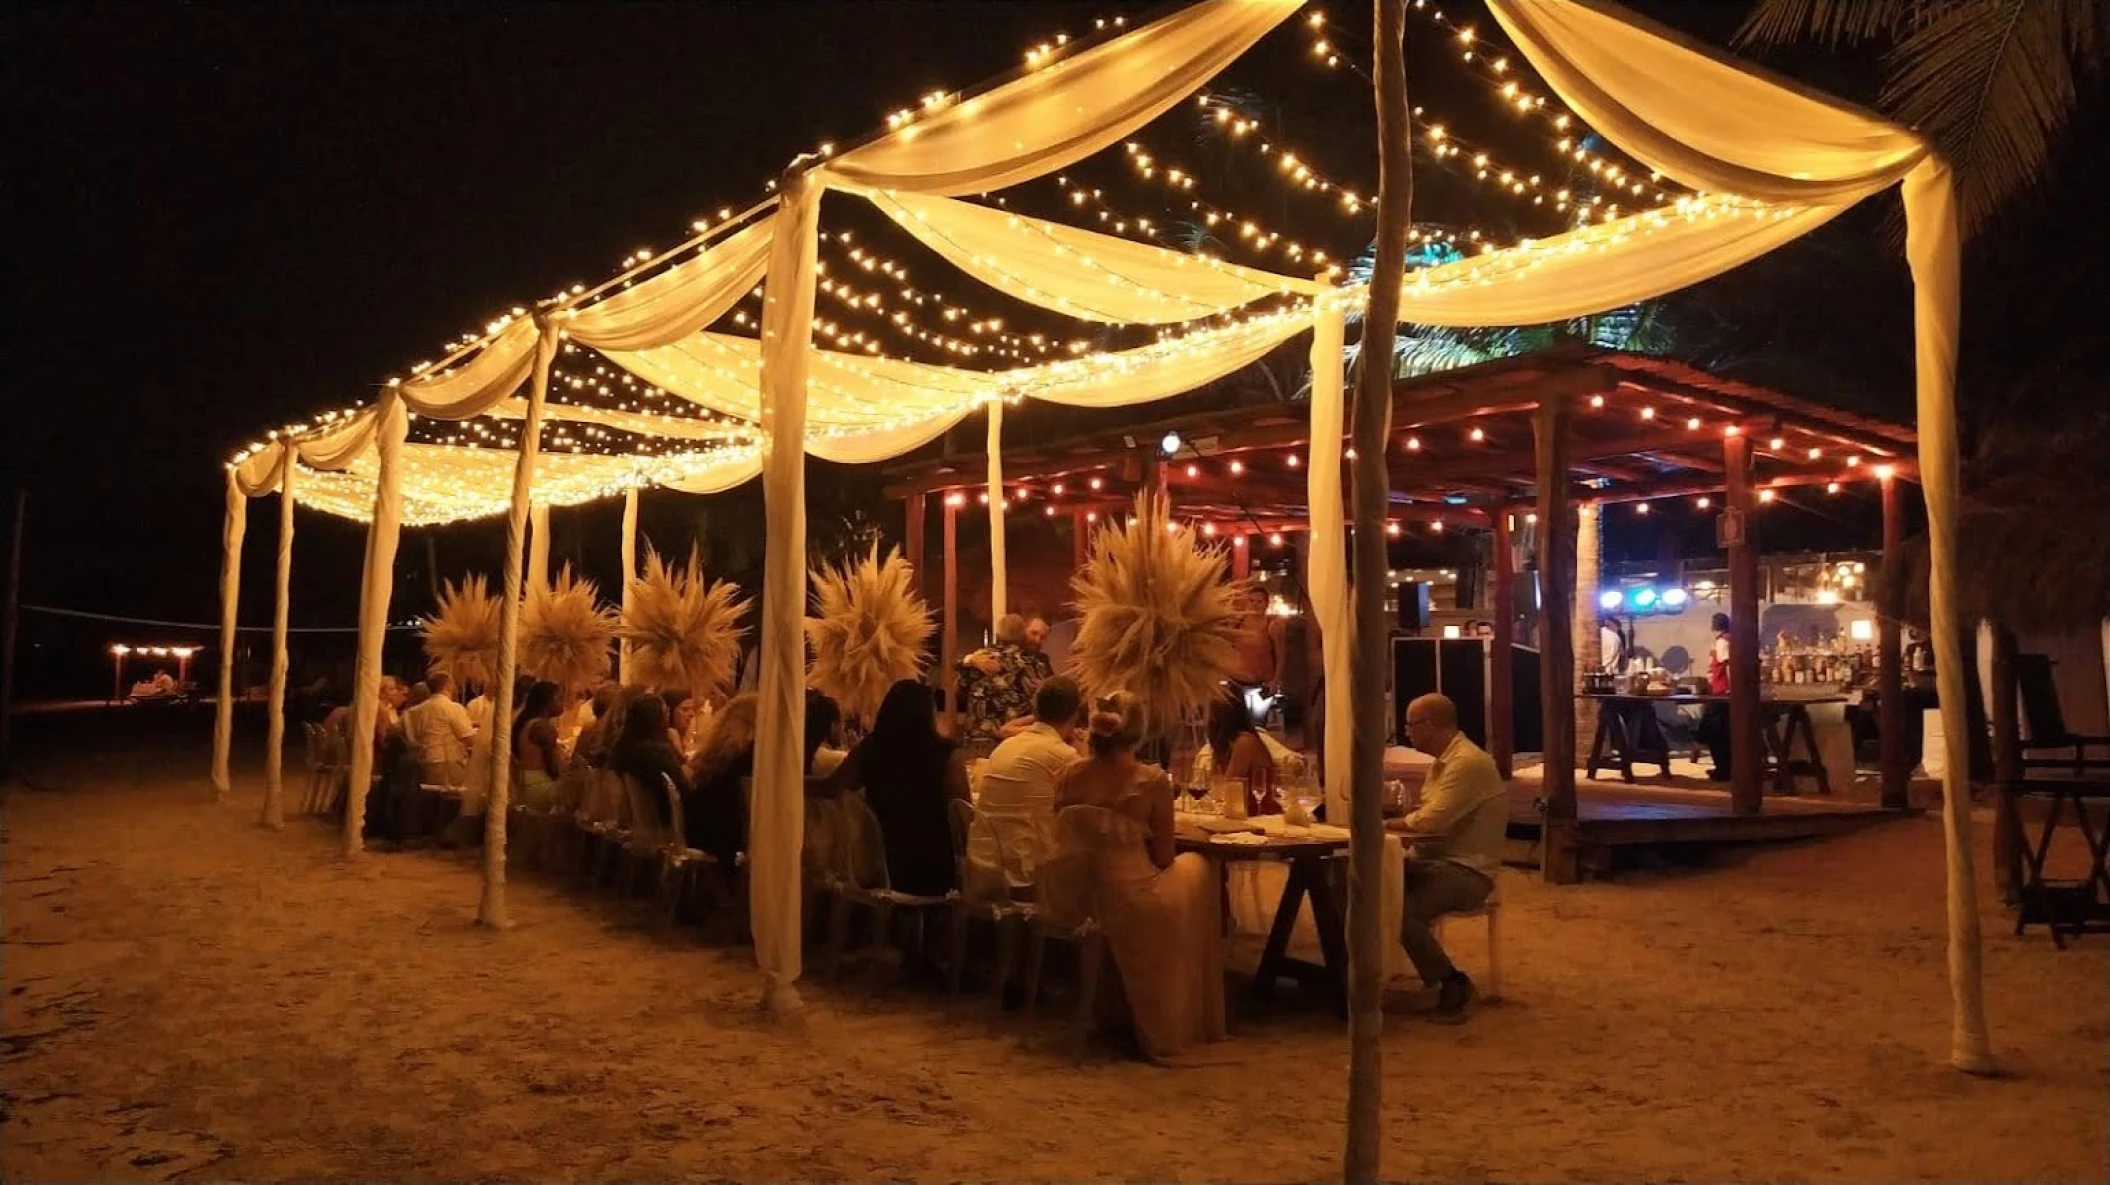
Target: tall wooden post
[1589, 639]
[1501, 673]
[1080, 540]
[1559, 860]
[1747, 755]
[912, 541]
[949, 645]
[2007, 767]
[1896, 762]
[9, 625]
[1241, 558]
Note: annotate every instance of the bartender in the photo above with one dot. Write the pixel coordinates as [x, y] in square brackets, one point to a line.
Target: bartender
[1714, 718]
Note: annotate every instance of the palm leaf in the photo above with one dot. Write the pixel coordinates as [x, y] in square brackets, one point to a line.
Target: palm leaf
[684, 631]
[566, 634]
[1157, 616]
[868, 631]
[1834, 22]
[461, 636]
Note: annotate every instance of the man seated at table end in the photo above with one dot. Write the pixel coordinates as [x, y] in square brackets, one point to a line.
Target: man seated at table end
[1458, 834]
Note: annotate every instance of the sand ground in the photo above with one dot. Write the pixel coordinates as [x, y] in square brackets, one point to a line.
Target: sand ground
[190, 996]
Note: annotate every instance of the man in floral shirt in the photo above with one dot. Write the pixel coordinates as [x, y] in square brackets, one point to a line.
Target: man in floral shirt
[998, 682]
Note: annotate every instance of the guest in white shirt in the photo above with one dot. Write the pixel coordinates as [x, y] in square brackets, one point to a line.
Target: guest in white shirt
[1459, 832]
[439, 731]
[1015, 815]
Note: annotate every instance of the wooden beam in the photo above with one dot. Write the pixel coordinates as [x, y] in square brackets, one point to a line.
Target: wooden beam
[912, 542]
[949, 646]
[1080, 540]
[1896, 763]
[1502, 692]
[1559, 857]
[1846, 437]
[1747, 755]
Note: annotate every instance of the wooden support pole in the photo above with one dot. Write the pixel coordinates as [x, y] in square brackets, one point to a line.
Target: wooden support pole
[1080, 540]
[1559, 857]
[1747, 755]
[949, 645]
[912, 541]
[1501, 674]
[1589, 639]
[1896, 761]
[1241, 558]
[10, 626]
[2007, 767]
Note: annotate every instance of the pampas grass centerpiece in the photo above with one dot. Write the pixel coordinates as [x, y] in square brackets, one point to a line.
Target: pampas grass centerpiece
[566, 634]
[684, 631]
[461, 636]
[869, 632]
[1157, 617]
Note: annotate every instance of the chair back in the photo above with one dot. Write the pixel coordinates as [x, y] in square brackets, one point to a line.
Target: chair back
[643, 823]
[863, 846]
[821, 854]
[1066, 885]
[311, 732]
[998, 865]
[336, 751]
[2040, 698]
[960, 815]
[678, 825]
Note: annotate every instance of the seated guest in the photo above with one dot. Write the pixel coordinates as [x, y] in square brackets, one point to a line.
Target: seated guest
[1464, 814]
[1113, 854]
[643, 753]
[681, 720]
[438, 731]
[908, 773]
[997, 682]
[535, 756]
[1015, 815]
[420, 691]
[1236, 749]
[597, 737]
[715, 811]
[824, 724]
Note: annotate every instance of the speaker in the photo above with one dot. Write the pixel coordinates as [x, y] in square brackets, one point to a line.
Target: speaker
[1468, 588]
[1413, 606]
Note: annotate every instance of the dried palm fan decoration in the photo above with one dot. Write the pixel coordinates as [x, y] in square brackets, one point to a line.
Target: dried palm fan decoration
[461, 636]
[1157, 617]
[684, 631]
[869, 633]
[566, 634]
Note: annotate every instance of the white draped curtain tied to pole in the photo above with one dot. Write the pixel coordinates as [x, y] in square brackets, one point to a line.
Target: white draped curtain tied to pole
[1773, 162]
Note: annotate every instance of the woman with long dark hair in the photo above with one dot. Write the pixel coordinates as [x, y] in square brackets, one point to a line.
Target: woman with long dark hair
[644, 753]
[535, 762]
[908, 772]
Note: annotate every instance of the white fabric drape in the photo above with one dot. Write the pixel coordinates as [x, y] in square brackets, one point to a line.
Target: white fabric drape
[622, 661]
[446, 483]
[1327, 581]
[640, 423]
[1031, 126]
[1706, 120]
[231, 530]
[377, 584]
[491, 374]
[491, 909]
[679, 301]
[739, 468]
[1079, 273]
[777, 810]
[1606, 265]
[275, 704]
[999, 574]
[538, 522]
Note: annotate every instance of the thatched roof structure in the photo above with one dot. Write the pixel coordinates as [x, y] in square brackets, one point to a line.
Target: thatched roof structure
[2034, 540]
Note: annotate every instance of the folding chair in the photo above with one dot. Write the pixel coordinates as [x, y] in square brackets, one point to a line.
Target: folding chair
[2047, 723]
[986, 894]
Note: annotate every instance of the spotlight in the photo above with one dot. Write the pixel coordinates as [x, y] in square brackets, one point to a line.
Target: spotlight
[1675, 598]
[1610, 600]
[1171, 444]
[1644, 598]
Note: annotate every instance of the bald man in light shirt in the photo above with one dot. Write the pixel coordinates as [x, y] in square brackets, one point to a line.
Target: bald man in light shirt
[1458, 834]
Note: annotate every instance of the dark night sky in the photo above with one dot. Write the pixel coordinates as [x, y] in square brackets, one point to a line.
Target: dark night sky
[228, 217]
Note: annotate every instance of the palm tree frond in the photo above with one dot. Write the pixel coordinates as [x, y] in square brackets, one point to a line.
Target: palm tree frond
[1834, 22]
[1992, 82]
